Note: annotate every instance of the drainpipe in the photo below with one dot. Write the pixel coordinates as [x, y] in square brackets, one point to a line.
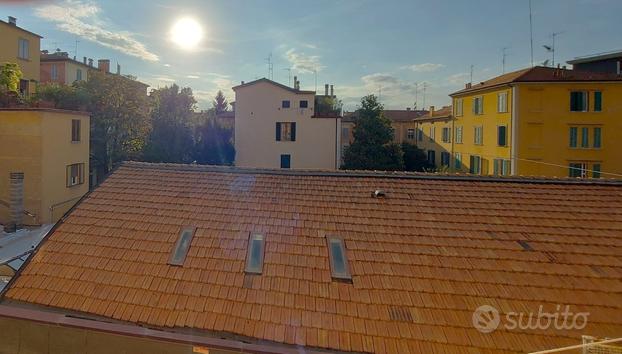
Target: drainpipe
[16, 200]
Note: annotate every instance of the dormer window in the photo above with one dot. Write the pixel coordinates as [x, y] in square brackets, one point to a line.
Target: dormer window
[339, 267]
[254, 258]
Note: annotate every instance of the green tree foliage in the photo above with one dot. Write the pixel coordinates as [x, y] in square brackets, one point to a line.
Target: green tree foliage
[63, 96]
[171, 138]
[373, 147]
[220, 103]
[415, 159]
[10, 74]
[214, 145]
[119, 118]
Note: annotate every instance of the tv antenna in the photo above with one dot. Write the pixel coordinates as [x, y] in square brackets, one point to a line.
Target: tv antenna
[315, 74]
[75, 53]
[270, 67]
[531, 33]
[425, 85]
[289, 76]
[504, 55]
[416, 94]
[551, 48]
[471, 80]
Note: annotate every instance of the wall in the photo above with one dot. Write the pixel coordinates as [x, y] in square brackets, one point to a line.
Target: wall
[22, 336]
[544, 118]
[258, 108]
[46, 72]
[58, 151]
[9, 36]
[20, 151]
[489, 120]
[400, 131]
[436, 143]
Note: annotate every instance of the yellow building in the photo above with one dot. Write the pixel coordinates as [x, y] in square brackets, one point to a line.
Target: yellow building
[539, 121]
[433, 133]
[50, 148]
[20, 46]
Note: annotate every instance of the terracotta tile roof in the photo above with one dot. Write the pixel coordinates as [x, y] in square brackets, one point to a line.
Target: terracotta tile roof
[422, 259]
[541, 74]
[444, 113]
[263, 79]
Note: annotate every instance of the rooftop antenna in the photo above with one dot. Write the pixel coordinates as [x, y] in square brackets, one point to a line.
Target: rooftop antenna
[551, 48]
[471, 80]
[315, 74]
[416, 92]
[425, 85]
[289, 76]
[75, 53]
[270, 67]
[531, 33]
[504, 54]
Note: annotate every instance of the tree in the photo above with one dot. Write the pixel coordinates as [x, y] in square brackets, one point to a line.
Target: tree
[214, 145]
[119, 118]
[373, 147]
[63, 96]
[220, 103]
[171, 138]
[415, 159]
[10, 74]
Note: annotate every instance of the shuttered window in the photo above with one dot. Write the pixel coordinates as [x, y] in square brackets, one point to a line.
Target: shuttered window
[573, 137]
[75, 130]
[75, 174]
[598, 101]
[285, 131]
[502, 136]
[597, 138]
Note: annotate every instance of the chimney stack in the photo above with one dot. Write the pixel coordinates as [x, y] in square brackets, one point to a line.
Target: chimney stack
[325, 89]
[12, 21]
[118, 69]
[84, 60]
[16, 200]
[467, 85]
[431, 111]
[332, 92]
[90, 62]
[408, 108]
[103, 65]
[295, 82]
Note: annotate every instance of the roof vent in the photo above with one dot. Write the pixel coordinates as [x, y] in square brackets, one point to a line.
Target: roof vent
[378, 193]
[467, 85]
[12, 21]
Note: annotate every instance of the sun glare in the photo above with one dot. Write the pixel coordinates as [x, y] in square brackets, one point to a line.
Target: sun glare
[186, 33]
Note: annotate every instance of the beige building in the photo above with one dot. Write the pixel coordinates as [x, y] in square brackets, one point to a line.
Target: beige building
[50, 148]
[276, 126]
[20, 46]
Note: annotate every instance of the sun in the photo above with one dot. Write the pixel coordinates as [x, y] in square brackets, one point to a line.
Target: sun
[186, 33]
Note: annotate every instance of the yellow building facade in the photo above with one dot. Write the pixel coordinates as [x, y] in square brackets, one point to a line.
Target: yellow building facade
[539, 121]
[51, 148]
[20, 46]
[433, 133]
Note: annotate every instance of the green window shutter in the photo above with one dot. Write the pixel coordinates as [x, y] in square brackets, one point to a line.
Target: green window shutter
[573, 101]
[278, 131]
[495, 167]
[293, 125]
[584, 137]
[501, 135]
[573, 137]
[596, 170]
[507, 167]
[598, 101]
[597, 137]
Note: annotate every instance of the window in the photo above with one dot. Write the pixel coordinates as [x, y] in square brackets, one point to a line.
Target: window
[338, 262]
[181, 246]
[446, 135]
[501, 167]
[432, 133]
[23, 50]
[458, 107]
[598, 101]
[286, 161]
[75, 130]
[478, 137]
[285, 131]
[419, 134]
[285, 104]
[476, 165]
[254, 258]
[478, 105]
[578, 101]
[596, 170]
[502, 135]
[75, 174]
[502, 102]
[585, 132]
[573, 137]
[458, 161]
[432, 157]
[54, 72]
[577, 169]
[458, 135]
[24, 86]
[597, 138]
[445, 158]
[78, 74]
[410, 134]
[304, 104]
[345, 134]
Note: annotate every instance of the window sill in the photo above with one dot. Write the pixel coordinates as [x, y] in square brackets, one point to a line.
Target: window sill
[24, 59]
[76, 141]
[75, 185]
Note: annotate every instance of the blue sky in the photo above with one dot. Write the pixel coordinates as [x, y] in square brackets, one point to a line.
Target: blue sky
[359, 46]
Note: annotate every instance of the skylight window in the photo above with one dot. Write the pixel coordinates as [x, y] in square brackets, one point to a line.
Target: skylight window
[254, 258]
[338, 262]
[181, 246]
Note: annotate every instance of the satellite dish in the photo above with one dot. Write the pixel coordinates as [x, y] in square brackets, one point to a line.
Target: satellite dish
[545, 63]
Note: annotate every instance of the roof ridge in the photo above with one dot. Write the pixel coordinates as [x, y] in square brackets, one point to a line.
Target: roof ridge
[371, 174]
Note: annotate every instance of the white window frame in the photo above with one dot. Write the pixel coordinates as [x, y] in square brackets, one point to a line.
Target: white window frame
[478, 138]
[502, 102]
[23, 48]
[478, 105]
[458, 139]
[446, 134]
[432, 133]
[459, 107]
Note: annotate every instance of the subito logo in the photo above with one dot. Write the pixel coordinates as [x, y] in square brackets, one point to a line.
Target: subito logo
[486, 319]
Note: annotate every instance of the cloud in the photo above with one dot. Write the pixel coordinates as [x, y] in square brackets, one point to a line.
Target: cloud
[82, 19]
[193, 76]
[303, 63]
[425, 67]
[458, 79]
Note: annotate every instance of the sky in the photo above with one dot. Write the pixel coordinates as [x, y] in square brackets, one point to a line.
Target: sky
[389, 48]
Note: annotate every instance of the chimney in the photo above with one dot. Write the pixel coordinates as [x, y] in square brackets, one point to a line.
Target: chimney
[408, 108]
[12, 21]
[118, 69]
[325, 89]
[332, 92]
[103, 65]
[431, 111]
[84, 60]
[242, 83]
[295, 81]
[467, 85]
[16, 200]
[90, 62]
